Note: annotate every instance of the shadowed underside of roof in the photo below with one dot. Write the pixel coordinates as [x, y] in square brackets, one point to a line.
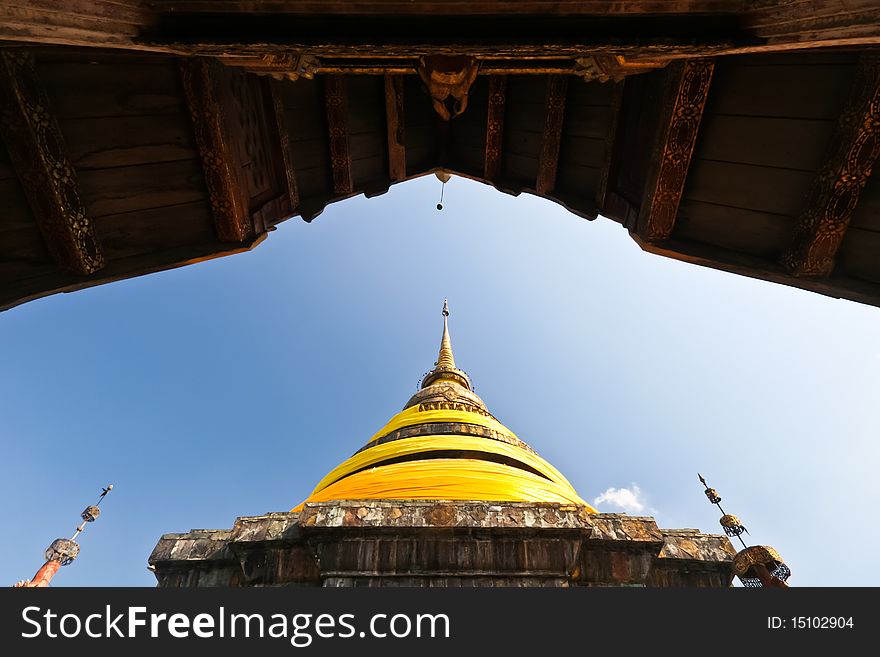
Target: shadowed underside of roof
[740, 136]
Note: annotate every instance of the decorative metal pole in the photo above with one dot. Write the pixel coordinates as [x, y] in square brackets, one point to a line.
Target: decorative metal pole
[756, 566]
[63, 550]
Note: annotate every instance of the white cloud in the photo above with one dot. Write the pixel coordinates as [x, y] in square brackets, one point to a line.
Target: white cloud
[628, 499]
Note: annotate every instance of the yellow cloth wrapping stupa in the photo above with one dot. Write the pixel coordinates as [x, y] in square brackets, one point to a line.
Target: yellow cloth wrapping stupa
[445, 445]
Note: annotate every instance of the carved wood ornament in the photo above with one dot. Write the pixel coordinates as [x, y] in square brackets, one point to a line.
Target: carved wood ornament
[609, 66]
[495, 126]
[284, 147]
[448, 79]
[287, 66]
[395, 125]
[337, 127]
[225, 188]
[689, 90]
[610, 138]
[835, 191]
[554, 115]
[36, 148]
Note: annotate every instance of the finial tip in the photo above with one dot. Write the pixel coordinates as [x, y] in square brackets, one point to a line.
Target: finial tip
[445, 308]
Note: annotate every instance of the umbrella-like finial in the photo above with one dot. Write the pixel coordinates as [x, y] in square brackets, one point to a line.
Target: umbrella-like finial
[444, 367]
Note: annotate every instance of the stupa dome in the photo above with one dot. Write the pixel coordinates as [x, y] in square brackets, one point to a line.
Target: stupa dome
[446, 445]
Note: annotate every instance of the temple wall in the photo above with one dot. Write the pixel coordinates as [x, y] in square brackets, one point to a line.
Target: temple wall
[442, 544]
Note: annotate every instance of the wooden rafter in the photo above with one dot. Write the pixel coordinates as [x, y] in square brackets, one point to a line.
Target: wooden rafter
[29, 289]
[789, 24]
[222, 175]
[717, 257]
[115, 24]
[395, 121]
[495, 126]
[836, 189]
[554, 115]
[680, 123]
[337, 130]
[610, 140]
[36, 148]
[284, 147]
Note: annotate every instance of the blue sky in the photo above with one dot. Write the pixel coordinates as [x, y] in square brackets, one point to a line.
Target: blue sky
[231, 387]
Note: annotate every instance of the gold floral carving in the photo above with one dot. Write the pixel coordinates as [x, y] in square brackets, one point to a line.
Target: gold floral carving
[284, 146]
[495, 126]
[837, 186]
[554, 115]
[452, 406]
[689, 92]
[225, 189]
[36, 148]
[337, 126]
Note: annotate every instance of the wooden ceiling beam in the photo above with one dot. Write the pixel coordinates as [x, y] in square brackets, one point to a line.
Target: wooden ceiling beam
[680, 114]
[337, 133]
[225, 187]
[293, 67]
[175, 27]
[24, 290]
[554, 116]
[361, 8]
[495, 127]
[116, 24]
[835, 191]
[759, 267]
[283, 134]
[793, 24]
[610, 145]
[36, 148]
[395, 120]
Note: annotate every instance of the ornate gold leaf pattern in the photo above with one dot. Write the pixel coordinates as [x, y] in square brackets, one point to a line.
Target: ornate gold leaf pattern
[678, 146]
[340, 158]
[837, 186]
[495, 126]
[224, 189]
[36, 148]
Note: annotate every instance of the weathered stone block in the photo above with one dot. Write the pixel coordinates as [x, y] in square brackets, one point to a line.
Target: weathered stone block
[442, 543]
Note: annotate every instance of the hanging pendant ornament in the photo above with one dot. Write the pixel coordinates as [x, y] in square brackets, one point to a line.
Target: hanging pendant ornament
[443, 177]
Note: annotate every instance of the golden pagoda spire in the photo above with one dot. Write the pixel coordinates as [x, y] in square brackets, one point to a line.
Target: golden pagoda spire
[446, 445]
[444, 368]
[445, 359]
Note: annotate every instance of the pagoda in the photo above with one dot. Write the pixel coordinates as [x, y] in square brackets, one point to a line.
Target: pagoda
[444, 495]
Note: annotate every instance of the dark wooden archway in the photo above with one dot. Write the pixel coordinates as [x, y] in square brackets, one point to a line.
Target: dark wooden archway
[737, 135]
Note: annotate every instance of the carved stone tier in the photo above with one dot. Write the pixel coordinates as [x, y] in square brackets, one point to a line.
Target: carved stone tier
[442, 543]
